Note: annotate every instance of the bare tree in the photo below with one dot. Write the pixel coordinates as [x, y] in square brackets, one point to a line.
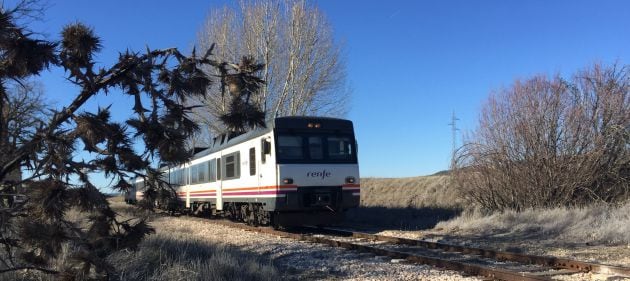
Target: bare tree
[551, 142]
[303, 66]
[34, 232]
[25, 113]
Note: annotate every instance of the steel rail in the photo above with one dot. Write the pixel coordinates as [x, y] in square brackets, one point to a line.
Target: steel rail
[566, 266]
[497, 255]
[468, 268]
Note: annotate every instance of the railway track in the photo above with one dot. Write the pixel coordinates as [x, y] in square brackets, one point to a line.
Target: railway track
[490, 264]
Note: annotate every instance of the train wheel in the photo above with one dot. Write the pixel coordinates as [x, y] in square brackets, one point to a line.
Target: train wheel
[235, 212]
[262, 217]
[229, 212]
[273, 220]
[253, 214]
[184, 210]
[247, 215]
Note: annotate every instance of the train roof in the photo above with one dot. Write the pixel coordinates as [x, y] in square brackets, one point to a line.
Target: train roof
[224, 141]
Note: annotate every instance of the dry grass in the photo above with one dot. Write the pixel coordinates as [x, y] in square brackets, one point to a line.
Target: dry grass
[81, 220]
[166, 256]
[599, 224]
[415, 192]
[432, 202]
[175, 252]
[178, 251]
[406, 203]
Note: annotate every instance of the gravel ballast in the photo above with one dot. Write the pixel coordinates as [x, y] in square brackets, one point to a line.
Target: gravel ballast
[298, 260]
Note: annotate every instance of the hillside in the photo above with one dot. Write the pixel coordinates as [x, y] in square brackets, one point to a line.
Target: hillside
[414, 192]
[405, 203]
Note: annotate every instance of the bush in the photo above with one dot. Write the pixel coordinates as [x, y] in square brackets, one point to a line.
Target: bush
[549, 142]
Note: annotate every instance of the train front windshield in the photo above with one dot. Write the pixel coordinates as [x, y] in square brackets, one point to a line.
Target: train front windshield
[316, 148]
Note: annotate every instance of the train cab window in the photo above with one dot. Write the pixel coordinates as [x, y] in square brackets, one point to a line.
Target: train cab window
[305, 148]
[339, 148]
[290, 147]
[315, 148]
[252, 161]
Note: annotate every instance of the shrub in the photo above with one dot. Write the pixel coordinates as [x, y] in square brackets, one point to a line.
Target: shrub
[549, 142]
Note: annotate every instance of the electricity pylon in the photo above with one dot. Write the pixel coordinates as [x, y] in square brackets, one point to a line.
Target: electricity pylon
[454, 130]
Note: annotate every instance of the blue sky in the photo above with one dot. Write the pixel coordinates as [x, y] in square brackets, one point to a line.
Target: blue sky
[410, 63]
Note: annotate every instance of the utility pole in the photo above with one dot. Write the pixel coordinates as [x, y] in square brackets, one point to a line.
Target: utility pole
[454, 130]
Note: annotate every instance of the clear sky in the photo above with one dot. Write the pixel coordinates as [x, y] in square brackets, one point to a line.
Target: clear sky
[410, 63]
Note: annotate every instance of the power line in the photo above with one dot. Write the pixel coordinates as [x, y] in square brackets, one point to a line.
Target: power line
[454, 130]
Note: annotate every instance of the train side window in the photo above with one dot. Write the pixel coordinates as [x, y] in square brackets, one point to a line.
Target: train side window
[219, 169]
[212, 170]
[193, 174]
[231, 166]
[201, 171]
[265, 148]
[181, 177]
[187, 176]
[164, 176]
[252, 161]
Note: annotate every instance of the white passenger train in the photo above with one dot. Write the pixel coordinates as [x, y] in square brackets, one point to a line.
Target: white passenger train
[298, 170]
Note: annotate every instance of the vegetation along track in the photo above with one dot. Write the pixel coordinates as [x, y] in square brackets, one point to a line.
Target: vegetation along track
[491, 264]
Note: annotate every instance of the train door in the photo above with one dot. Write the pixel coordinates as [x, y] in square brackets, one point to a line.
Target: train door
[265, 178]
[254, 168]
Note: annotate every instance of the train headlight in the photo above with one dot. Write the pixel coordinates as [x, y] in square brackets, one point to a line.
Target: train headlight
[287, 181]
[351, 180]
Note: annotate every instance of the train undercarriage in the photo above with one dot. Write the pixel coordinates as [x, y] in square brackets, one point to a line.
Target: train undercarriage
[254, 214]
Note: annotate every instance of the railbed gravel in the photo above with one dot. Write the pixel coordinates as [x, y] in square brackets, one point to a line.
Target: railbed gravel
[603, 254]
[299, 260]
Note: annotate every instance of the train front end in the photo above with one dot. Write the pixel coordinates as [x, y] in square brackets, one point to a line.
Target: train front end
[317, 170]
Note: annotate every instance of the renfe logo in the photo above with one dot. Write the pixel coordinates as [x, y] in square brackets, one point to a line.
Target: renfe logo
[323, 174]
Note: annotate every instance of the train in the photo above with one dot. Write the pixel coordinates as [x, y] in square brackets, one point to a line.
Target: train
[295, 171]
